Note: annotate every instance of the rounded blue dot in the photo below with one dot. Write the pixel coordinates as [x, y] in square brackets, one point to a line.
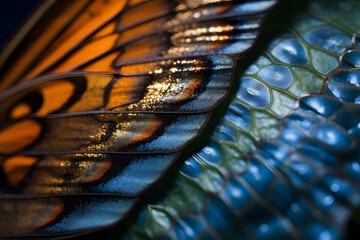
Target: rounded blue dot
[237, 194]
[277, 76]
[351, 60]
[253, 92]
[332, 136]
[348, 78]
[329, 38]
[290, 51]
[191, 168]
[239, 115]
[211, 153]
[188, 228]
[322, 105]
[300, 173]
[223, 131]
[345, 93]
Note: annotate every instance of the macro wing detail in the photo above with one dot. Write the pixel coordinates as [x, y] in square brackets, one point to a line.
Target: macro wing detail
[98, 104]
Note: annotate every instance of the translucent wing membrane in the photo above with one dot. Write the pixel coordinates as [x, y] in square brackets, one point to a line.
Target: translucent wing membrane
[99, 98]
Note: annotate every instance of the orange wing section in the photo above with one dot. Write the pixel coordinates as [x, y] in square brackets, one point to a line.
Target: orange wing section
[19, 135]
[63, 33]
[86, 24]
[40, 42]
[17, 167]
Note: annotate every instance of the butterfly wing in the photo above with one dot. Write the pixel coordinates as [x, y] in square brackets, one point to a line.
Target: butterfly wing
[98, 106]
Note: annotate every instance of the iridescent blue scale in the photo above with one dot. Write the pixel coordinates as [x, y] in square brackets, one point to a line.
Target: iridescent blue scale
[351, 60]
[329, 38]
[277, 76]
[290, 51]
[253, 92]
[225, 132]
[239, 115]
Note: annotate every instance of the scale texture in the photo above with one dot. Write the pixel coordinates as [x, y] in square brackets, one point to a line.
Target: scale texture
[284, 161]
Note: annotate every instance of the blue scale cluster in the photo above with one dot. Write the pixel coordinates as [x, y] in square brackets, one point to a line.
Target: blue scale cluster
[304, 182]
[291, 186]
[283, 188]
[345, 82]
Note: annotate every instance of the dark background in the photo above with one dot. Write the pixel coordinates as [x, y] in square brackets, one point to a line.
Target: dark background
[12, 14]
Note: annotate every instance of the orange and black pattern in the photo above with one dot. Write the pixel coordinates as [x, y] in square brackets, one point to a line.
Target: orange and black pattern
[98, 98]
